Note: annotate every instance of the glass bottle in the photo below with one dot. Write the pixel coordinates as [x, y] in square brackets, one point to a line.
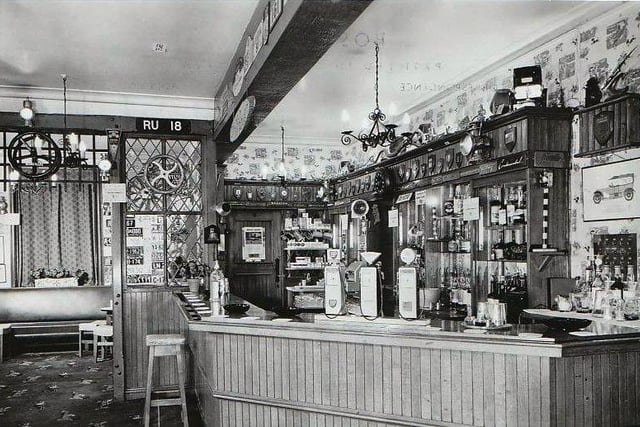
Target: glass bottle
[457, 201]
[494, 207]
[465, 239]
[520, 209]
[498, 247]
[510, 205]
[447, 207]
[216, 282]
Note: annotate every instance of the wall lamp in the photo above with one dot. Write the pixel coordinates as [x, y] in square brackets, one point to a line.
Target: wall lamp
[27, 112]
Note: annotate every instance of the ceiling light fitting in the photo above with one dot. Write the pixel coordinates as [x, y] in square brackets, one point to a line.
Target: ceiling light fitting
[282, 169]
[380, 135]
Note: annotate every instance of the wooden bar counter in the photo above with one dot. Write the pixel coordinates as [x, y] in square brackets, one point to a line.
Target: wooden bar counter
[259, 370]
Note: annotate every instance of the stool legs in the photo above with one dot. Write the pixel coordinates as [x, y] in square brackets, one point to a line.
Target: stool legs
[181, 375]
[147, 399]
[159, 351]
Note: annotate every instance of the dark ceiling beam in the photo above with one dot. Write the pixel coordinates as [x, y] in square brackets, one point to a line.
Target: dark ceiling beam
[302, 35]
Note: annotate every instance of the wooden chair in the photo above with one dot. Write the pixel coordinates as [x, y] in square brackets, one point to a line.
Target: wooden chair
[166, 345]
[85, 329]
[102, 339]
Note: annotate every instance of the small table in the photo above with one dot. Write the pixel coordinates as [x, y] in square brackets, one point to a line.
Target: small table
[109, 312]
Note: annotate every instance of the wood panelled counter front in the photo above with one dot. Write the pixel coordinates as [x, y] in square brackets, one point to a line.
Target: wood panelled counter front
[258, 372]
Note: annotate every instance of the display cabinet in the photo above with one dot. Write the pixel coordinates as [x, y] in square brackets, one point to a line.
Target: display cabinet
[307, 239]
[492, 228]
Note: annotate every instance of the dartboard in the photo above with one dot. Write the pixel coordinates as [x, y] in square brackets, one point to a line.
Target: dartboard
[34, 155]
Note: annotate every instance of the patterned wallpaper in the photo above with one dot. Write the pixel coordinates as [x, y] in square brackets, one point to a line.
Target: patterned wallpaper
[590, 50]
[567, 62]
[257, 161]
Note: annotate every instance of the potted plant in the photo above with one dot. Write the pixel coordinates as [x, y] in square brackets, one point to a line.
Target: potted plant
[192, 272]
[46, 277]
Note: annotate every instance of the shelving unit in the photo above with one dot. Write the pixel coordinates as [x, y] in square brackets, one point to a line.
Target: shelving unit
[306, 241]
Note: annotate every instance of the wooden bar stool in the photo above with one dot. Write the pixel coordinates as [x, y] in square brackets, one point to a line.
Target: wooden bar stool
[102, 338]
[166, 345]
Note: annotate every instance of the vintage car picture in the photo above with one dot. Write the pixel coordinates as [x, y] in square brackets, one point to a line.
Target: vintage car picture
[609, 191]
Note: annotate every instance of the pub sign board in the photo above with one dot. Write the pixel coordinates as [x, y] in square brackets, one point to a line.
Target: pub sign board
[163, 126]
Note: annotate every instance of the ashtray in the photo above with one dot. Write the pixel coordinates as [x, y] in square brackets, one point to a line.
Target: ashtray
[236, 308]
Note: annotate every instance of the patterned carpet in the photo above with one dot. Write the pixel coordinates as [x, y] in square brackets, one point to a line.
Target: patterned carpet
[44, 389]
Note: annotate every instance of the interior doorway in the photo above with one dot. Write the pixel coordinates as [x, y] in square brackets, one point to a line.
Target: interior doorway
[255, 276]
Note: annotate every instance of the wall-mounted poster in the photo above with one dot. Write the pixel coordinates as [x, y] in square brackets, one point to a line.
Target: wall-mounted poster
[611, 191]
[145, 250]
[253, 244]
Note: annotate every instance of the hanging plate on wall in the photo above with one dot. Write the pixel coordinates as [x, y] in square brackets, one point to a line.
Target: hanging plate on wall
[34, 155]
[242, 118]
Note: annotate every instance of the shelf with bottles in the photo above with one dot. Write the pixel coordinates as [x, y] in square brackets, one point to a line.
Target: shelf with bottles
[507, 205]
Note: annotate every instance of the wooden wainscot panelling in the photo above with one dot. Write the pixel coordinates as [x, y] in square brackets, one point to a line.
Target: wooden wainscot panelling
[149, 312]
[251, 380]
[609, 126]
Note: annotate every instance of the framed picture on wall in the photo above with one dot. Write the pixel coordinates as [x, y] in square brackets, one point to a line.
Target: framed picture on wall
[610, 191]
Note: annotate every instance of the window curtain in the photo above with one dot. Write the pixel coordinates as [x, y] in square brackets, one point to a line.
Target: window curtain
[59, 229]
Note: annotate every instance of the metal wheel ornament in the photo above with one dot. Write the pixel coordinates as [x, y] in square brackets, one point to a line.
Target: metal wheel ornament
[141, 198]
[164, 174]
[34, 155]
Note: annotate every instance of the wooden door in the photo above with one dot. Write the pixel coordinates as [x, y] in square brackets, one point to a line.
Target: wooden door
[260, 281]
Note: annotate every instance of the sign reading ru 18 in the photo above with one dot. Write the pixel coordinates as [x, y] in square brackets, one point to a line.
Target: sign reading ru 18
[163, 125]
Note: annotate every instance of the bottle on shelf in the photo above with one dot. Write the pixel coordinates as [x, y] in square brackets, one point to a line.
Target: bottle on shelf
[453, 244]
[457, 201]
[502, 210]
[447, 206]
[520, 212]
[510, 205]
[216, 282]
[465, 239]
[497, 250]
[494, 206]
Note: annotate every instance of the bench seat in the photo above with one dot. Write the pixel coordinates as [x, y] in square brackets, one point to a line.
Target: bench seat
[41, 319]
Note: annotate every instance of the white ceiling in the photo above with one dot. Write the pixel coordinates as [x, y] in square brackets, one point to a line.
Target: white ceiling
[432, 42]
[109, 45]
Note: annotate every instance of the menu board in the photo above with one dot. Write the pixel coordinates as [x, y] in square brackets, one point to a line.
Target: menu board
[145, 249]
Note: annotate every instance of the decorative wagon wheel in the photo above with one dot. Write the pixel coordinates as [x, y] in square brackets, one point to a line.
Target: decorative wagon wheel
[164, 174]
[140, 196]
[34, 155]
